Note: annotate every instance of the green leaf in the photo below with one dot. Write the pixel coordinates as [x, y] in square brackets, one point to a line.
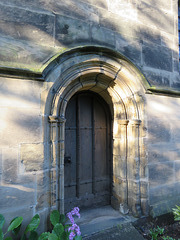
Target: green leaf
[65, 236]
[33, 224]
[52, 237]
[16, 230]
[1, 234]
[78, 238]
[176, 212]
[8, 238]
[33, 235]
[58, 229]
[15, 223]
[62, 218]
[55, 217]
[2, 220]
[44, 236]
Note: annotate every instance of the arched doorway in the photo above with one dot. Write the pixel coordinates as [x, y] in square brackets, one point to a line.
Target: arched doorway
[88, 168]
[121, 86]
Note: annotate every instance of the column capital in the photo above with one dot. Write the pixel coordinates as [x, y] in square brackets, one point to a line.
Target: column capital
[56, 119]
[53, 119]
[135, 122]
[123, 121]
[61, 119]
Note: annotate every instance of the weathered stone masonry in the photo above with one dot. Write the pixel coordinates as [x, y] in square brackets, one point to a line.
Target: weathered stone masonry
[127, 52]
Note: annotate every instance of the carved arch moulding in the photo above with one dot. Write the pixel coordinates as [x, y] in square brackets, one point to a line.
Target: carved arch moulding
[121, 85]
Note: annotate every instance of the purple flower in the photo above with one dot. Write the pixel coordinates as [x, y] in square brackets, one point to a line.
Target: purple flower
[74, 229]
[69, 215]
[72, 235]
[78, 232]
[75, 211]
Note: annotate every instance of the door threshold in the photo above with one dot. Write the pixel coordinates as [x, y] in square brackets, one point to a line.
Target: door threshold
[99, 219]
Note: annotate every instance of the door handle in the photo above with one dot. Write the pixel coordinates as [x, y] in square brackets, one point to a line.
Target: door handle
[67, 160]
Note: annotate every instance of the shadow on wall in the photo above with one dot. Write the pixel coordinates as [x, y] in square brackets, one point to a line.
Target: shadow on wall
[18, 200]
[22, 182]
[34, 31]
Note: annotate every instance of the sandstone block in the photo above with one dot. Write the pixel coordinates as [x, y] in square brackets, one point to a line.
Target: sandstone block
[43, 190]
[44, 221]
[25, 24]
[177, 170]
[119, 166]
[26, 180]
[133, 189]
[160, 174]
[144, 186]
[32, 157]
[0, 165]
[70, 31]
[153, 15]
[176, 85]
[157, 57]
[79, 10]
[145, 207]
[9, 165]
[102, 36]
[53, 184]
[99, 3]
[133, 165]
[16, 196]
[176, 132]
[26, 95]
[160, 154]
[127, 29]
[39, 34]
[164, 207]
[176, 65]
[154, 78]
[116, 146]
[177, 188]
[161, 193]
[76, 9]
[130, 48]
[123, 9]
[20, 125]
[159, 130]
[25, 54]
[164, 4]
[23, 15]
[150, 35]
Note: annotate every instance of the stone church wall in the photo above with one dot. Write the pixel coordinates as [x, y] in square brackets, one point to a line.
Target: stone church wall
[144, 31]
[163, 153]
[22, 175]
[31, 33]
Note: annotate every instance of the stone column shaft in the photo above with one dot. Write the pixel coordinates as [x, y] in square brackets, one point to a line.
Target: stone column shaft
[120, 164]
[62, 121]
[133, 169]
[57, 138]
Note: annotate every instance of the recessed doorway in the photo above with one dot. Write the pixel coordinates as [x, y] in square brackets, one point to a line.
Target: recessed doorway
[88, 143]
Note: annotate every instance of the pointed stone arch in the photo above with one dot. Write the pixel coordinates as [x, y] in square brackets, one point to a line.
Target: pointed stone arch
[122, 86]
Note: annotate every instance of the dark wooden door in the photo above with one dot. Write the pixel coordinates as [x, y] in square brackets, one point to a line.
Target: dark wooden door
[87, 152]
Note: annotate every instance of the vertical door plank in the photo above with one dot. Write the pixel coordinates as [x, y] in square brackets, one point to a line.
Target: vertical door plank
[70, 150]
[86, 146]
[78, 148]
[93, 147]
[87, 177]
